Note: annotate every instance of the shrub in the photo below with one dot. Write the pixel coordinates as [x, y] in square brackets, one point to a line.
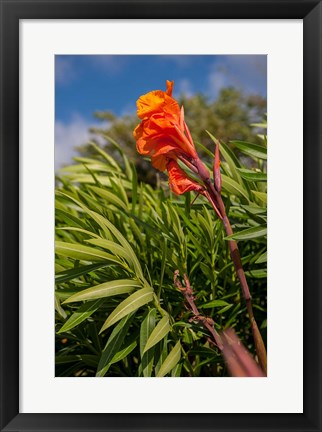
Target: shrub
[118, 244]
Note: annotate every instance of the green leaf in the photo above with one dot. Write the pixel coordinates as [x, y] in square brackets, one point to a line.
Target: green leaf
[225, 309]
[119, 190]
[84, 312]
[69, 218]
[134, 187]
[107, 157]
[160, 331]
[84, 253]
[259, 125]
[233, 187]
[251, 175]
[113, 247]
[176, 371]
[207, 271]
[251, 149]
[110, 197]
[264, 324]
[205, 149]
[113, 344]
[106, 224]
[171, 361]
[106, 289]
[115, 144]
[88, 359]
[131, 304]
[87, 198]
[74, 273]
[203, 351]
[262, 196]
[160, 354]
[257, 274]
[214, 304]
[107, 227]
[254, 209]
[58, 307]
[146, 329]
[77, 230]
[262, 258]
[206, 228]
[124, 352]
[64, 294]
[249, 233]
[128, 167]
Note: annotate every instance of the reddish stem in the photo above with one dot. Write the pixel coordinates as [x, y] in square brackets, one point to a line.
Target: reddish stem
[218, 204]
[190, 299]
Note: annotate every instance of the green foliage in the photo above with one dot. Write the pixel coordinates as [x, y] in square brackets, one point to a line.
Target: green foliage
[118, 243]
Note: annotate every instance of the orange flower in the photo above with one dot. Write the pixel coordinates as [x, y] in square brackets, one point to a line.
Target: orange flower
[179, 182]
[157, 101]
[162, 134]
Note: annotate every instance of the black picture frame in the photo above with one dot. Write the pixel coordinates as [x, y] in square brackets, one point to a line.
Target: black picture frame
[14, 10]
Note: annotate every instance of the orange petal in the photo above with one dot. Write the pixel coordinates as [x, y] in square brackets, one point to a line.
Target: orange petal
[171, 106]
[158, 101]
[162, 126]
[162, 131]
[159, 162]
[179, 182]
[169, 87]
[158, 134]
[181, 120]
[158, 125]
[150, 103]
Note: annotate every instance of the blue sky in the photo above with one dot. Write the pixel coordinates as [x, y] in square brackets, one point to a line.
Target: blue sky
[88, 83]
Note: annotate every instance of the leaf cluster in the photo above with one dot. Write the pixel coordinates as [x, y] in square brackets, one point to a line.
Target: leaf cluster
[118, 243]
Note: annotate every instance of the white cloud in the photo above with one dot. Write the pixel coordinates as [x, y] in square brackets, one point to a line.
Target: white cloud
[71, 135]
[129, 109]
[180, 60]
[64, 70]
[247, 73]
[108, 63]
[185, 87]
[216, 81]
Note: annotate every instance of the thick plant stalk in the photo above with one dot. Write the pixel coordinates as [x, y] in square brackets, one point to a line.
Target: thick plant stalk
[235, 256]
[213, 193]
[215, 199]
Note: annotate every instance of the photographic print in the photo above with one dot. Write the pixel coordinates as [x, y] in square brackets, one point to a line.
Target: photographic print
[161, 215]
